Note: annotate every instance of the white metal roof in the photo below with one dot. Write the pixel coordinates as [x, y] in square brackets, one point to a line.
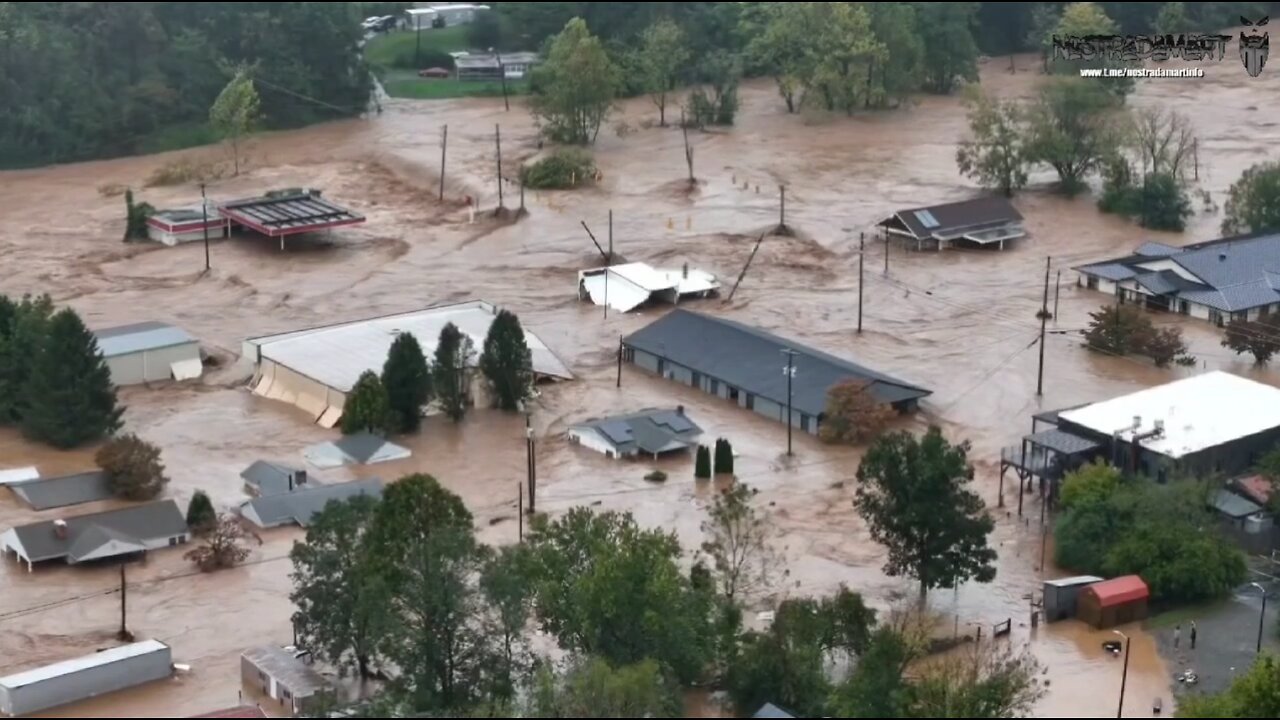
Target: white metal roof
[15, 476]
[631, 284]
[336, 355]
[128, 339]
[1198, 413]
[67, 667]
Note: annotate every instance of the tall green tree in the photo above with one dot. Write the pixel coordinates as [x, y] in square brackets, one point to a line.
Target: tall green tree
[1259, 338]
[1071, 128]
[1171, 19]
[340, 597]
[69, 398]
[504, 583]
[367, 408]
[995, 155]
[846, 54]
[592, 688]
[952, 57]
[23, 326]
[201, 517]
[738, 542]
[133, 468]
[780, 47]
[878, 686]
[914, 495]
[235, 112]
[605, 587]
[898, 72]
[1255, 694]
[1253, 203]
[450, 372]
[1082, 19]
[574, 89]
[407, 380]
[507, 362]
[662, 56]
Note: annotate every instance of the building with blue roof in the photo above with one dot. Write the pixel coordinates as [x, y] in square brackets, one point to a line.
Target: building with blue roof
[1233, 278]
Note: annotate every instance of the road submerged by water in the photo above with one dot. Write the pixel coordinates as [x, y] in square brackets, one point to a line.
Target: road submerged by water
[960, 323]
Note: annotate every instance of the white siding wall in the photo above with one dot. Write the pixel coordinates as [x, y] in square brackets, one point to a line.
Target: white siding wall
[149, 365]
[1157, 265]
[589, 438]
[1199, 311]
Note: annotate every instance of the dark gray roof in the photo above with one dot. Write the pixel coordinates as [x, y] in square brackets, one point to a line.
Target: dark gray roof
[1232, 505]
[1166, 282]
[772, 711]
[751, 360]
[300, 505]
[650, 430]
[361, 447]
[1238, 273]
[63, 491]
[1063, 442]
[288, 212]
[925, 222]
[155, 520]
[271, 478]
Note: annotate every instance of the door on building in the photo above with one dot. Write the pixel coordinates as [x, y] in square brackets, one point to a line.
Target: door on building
[1184, 307]
[751, 401]
[715, 387]
[697, 380]
[805, 421]
[733, 393]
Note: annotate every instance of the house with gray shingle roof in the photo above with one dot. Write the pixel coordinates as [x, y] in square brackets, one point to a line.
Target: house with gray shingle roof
[128, 531]
[47, 493]
[299, 506]
[652, 432]
[264, 478]
[1232, 278]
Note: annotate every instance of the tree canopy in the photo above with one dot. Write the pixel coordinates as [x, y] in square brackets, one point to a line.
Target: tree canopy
[662, 59]
[1255, 694]
[70, 399]
[913, 494]
[995, 156]
[367, 408]
[854, 415]
[235, 112]
[23, 325]
[449, 380]
[1253, 203]
[133, 468]
[407, 380]
[1071, 128]
[574, 88]
[1259, 338]
[507, 362]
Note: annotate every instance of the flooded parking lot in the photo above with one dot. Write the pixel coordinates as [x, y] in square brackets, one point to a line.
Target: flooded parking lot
[960, 323]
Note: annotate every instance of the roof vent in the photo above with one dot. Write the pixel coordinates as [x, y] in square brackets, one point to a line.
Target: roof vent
[1159, 428]
[60, 529]
[1137, 423]
[679, 409]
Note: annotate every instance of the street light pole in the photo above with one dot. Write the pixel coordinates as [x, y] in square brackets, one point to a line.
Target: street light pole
[1262, 616]
[790, 371]
[1124, 677]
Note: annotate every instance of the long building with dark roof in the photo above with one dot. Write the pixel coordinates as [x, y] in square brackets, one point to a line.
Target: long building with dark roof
[1232, 278]
[746, 365]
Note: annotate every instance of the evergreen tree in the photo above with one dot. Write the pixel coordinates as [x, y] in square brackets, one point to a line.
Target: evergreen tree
[69, 398]
[453, 352]
[407, 380]
[507, 362]
[367, 408]
[22, 330]
[201, 516]
[724, 457]
[702, 465]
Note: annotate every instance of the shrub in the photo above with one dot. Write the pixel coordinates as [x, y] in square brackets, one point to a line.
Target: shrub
[133, 467]
[201, 516]
[657, 476]
[563, 169]
[702, 465]
[853, 414]
[724, 457]
[136, 215]
[1126, 330]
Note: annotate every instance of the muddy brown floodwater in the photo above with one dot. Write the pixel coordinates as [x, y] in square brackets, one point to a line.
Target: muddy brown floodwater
[960, 323]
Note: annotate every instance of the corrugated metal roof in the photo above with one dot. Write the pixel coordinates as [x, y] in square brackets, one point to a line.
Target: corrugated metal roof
[64, 491]
[1118, 591]
[1166, 282]
[67, 667]
[301, 505]
[1063, 442]
[751, 360]
[1232, 505]
[1073, 581]
[271, 478]
[140, 336]
[1108, 271]
[285, 667]
[286, 214]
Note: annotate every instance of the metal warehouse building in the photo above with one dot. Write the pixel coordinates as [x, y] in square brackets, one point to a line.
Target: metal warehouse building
[84, 677]
[149, 352]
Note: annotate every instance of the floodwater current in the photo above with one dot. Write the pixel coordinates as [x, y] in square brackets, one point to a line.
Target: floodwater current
[961, 323]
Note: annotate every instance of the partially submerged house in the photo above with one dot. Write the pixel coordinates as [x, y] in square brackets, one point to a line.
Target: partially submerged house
[315, 368]
[746, 365]
[282, 213]
[488, 66]
[149, 352]
[264, 478]
[359, 449]
[984, 222]
[64, 491]
[115, 533]
[81, 678]
[627, 287]
[1061, 596]
[651, 432]
[1233, 278]
[183, 225]
[284, 676]
[1213, 423]
[299, 506]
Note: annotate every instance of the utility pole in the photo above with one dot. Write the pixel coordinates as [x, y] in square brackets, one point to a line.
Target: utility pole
[204, 216]
[608, 263]
[1057, 291]
[1044, 321]
[502, 72]
[520, 513]
[619, 361]
[532, 471]
[790, 372]
[886, 254]
[782, 207]
[1124, 677]
[862, 257]
[1262, 616]
[444, 146]
[497, 136]
[123, 635]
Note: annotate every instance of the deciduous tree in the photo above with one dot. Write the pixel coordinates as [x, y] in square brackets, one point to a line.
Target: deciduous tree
[1071, 129]
[913, 494]
[1082, 19]
[223, 547]
[69, 398]
[1253, 203]
[845, 54]
[738, 543]
[340, 596]
[893, 76]
[507, 362]
[573, 90]
[991, 681]
[946, 30]
[407, 381]
[592, 688]
[662, 56]
[368, 407]
[509, 601]
[236, 112]
[133, 467]
[781, 48]
[454, 354]
[853, 414]
[995, 157]
[1255, 694]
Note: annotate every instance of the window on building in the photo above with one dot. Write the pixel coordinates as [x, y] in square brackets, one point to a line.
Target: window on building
[751, 401]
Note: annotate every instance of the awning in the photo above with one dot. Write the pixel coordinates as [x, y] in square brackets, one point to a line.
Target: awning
[187, 369]
[1063, 442]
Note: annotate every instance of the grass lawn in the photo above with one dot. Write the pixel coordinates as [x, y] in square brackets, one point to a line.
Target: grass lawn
[1183, 615]
[407, 84]
[396, 49]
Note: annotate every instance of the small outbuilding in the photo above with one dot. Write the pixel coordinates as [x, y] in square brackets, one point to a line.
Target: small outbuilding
[70, 681]
[284, 676]
[983, 222]
[652, 432]
[149, 352]
[299, 506]
[63, 491]
[1114, 602]
[264, 478]
[184, 225]
[1061, 596]
[627, 287]
[359, 449]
